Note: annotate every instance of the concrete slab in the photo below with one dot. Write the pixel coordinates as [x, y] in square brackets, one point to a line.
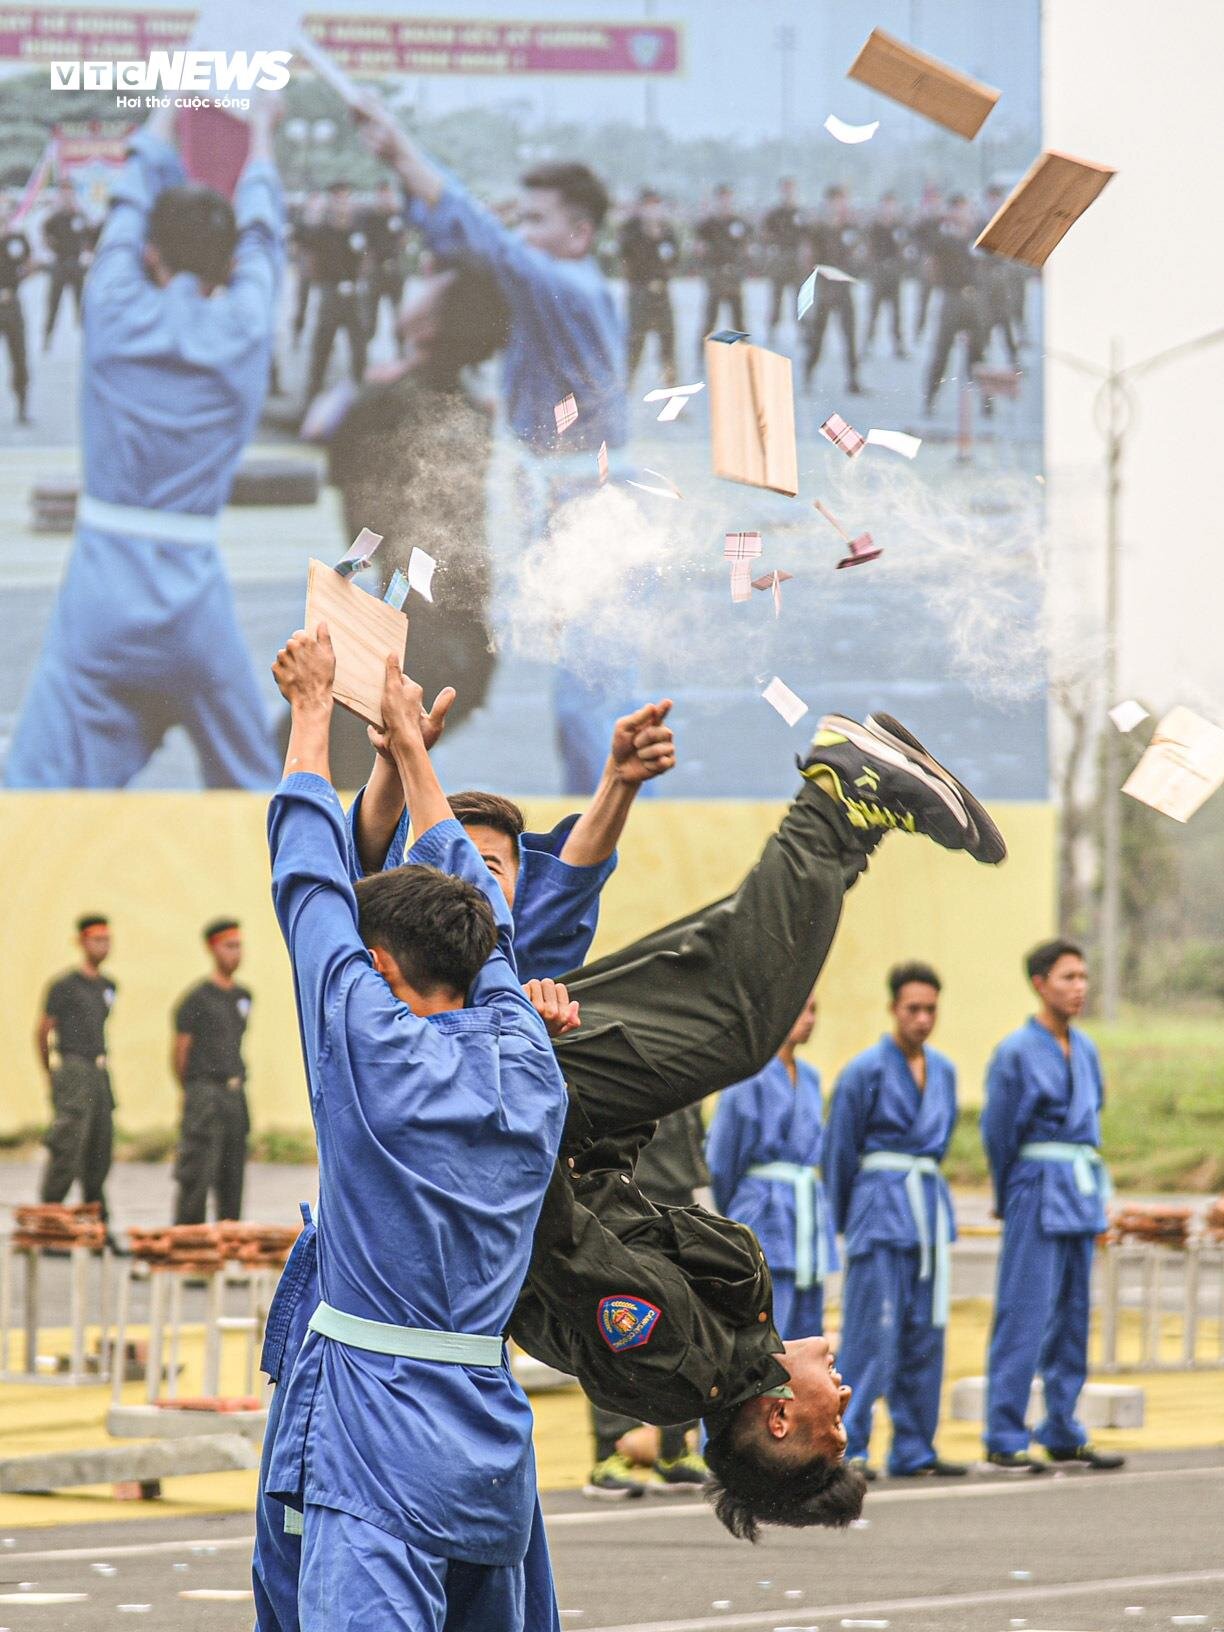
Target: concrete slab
[1101, 1405]
[157, 1459]
[149, 1421]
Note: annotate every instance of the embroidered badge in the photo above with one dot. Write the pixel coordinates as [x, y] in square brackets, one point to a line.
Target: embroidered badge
[626, 1322]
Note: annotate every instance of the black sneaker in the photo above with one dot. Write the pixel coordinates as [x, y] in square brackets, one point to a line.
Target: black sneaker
[939, 1469]
[1015, 1462]
[879, 786]
[1083, 1456]
[682, 1475]
[991, 847]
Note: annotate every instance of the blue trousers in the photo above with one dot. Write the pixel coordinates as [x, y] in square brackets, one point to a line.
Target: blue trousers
[890, 1349]
[277, 1561]
[796, 1312]
[144, 636]
[1040, 1325]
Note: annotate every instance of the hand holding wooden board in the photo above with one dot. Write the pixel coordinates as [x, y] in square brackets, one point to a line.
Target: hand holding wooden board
[364, 632]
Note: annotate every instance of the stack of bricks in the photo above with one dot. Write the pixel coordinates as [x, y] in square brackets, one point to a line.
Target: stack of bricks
[1165, 1225]
[191, 1249]
[257, 1246]
[1213, 1220]
[59, 1228]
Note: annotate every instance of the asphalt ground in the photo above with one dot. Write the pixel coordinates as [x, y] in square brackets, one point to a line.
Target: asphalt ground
[1070, 1553]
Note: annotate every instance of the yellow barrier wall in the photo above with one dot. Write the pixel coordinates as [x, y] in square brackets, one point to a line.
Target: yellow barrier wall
[162, 865]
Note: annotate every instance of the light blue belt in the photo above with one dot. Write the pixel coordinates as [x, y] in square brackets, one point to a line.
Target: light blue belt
[1083, 1158]
[130, 520]
[809, 1217]
[914, 1168]
[409, 1342]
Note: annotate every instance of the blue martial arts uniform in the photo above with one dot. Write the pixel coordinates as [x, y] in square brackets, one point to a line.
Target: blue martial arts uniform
[1041, 1129]
[884, 1139]
[763, 1151]
[144, 634]
[556, 912]
[436, 1138]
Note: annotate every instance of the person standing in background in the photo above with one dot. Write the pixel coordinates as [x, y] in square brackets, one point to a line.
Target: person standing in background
[721, 242]
[764, 1153]
[75, 1012]
[386, 231]
[887, 247]
[337, 265]
[209, 1024]
[836, 240]
[648, 250]
[16, 264]
[782, 229]
[69, 238]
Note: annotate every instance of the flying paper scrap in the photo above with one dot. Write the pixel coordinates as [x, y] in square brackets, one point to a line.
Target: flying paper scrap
[669, 490]
[779, 696]
[565, 413]
[1126, 716]
[1182, 766]
[602, 457]
[807, 291]
[850, 134]
[774, 581]
[359, 554]
[741, 546]
[861, 550]
[843, 435]
[421, 567]
[674, 398]
[899, 441]
[741, 581]
[728, 336]
[397, 590]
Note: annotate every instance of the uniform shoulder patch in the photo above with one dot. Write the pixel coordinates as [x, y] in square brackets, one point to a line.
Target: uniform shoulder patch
[626, 1322]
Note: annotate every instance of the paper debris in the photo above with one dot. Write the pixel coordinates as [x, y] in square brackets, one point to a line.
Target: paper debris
[831, 519]
[397, 590]
[669, 490]
[674, 399]
[843, 435]
[860, 1524]
[865, 1623]
[1182, 766]
[862, 550]
[1188, 1620]
[1021, 1575]
[793, 1592]
[850, 134]
[923, 83]
[43, 1597]
[792, 709]
[898, 441]
[360, 553]
[602, 458]
[565, 413]
[728, 336]
[421, 568]
[104, 1569]
[807, 291]
[1126, 716]
[741, 546]
[219, 1595]
[1043, 206]
[721, 1603]
[773, 581]
[741, 581]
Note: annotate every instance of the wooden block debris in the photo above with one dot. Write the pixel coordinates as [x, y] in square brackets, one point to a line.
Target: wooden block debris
[1042, 208]
[752, 416]
[364, 631]
[945, 95]
[1182, 766]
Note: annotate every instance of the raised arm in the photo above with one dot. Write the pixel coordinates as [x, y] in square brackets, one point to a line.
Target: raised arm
[378, 810]
[152, 165]
[259, 212]
[643, 747]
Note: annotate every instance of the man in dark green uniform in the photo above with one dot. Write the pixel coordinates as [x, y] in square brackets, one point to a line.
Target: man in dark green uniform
[209, 1023]
[75, 1011]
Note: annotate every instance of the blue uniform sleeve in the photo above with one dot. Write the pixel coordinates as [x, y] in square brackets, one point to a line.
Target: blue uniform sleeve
[395, 850]
[151, 166]
[1002, 1117]
[556, 905]
[259, 211]
[845, 1132]
[727, 1143]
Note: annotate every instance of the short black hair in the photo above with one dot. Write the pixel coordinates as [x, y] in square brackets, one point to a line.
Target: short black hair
[438, 928]
[92, 920]
[193, 229]
[956, 198]
[472, 320]
[340, 186]
[835, 189]
[1039, 962]
[489, 810]
[649, 195]
[902, 974]
[220, 926]
[750, 1489]
[580, 188]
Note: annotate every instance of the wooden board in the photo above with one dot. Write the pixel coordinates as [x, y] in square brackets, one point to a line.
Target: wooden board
[1042, 207]
[365, 632]
[1182, 766]
[923, 83]
[752, 416]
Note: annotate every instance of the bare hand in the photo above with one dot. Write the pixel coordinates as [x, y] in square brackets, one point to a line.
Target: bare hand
[642, 746]
[430, 726]
[554, 1006]
[305, 669]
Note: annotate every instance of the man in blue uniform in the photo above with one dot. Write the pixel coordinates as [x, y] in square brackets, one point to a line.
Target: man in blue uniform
[438, 1108]
[764, 1151]
[892, 1116]
[1041, 1129]
[179, 310]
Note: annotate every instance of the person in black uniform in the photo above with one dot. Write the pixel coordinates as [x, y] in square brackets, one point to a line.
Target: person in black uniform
[924, 235]
[16, 263]
[74, 1013]
[955, 272]
[1002, 288]
[722, 239]
[386, 229]
[783, 231]
[648, 249]
[305, 220]
[836, 240]
[670, 1169]
[337, 255]
[887, 248]
[69, 237]
[209, 1024]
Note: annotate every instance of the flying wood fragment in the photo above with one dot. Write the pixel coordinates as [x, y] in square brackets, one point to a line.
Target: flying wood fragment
[752, 417]
[1043, 207]
[923, 83]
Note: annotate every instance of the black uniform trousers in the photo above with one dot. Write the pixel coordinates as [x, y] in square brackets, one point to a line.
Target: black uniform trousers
[12, 329]
[338, 309]
[650, 312]
[212, 1149]
[833, 300]
[886, 291]
[961, 311]
[693, 1008]
[64, 275]
[81, 1137]
[386, 284]
[723, 287]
